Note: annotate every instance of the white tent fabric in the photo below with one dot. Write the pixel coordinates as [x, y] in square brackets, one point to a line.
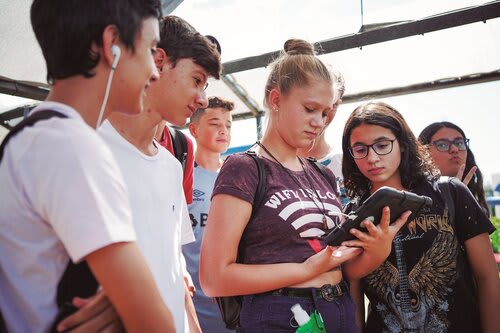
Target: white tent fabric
[251, 28]
[20, 56]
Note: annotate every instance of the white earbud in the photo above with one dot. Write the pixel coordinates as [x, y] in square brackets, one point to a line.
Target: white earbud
[115, 49]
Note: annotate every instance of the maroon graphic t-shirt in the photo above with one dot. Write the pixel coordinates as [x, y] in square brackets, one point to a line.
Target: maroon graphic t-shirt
[287, 219]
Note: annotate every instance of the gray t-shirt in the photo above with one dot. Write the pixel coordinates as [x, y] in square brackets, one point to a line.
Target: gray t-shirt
[287, 221]
[207, 311]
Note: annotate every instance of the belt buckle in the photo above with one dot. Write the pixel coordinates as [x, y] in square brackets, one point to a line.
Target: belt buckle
[278, 292]
[327, 292]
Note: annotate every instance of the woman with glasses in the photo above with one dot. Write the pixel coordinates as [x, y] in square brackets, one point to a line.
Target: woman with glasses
[450, 151]
[427, 284]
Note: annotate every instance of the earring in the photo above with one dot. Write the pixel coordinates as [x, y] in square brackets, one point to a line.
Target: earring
[275, 109]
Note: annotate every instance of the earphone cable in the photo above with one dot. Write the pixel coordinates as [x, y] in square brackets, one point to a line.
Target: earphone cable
[105, 99]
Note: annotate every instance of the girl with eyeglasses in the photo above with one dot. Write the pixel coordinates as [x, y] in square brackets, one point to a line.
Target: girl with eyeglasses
[429, 283]
[450, 151]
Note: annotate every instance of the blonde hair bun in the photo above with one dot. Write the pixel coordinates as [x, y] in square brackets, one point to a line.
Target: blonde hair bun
[298, 46]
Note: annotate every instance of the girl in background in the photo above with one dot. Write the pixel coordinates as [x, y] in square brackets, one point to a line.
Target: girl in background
[449, 148]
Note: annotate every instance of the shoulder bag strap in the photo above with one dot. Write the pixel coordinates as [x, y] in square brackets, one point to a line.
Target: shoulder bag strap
[261, 185]
[179, 143]
[29, 121]
[444, 187]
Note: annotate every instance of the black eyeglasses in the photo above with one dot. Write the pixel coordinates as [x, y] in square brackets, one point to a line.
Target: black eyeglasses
[445, 144]
[382, 147]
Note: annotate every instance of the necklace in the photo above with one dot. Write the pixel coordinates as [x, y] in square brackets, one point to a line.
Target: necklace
[323, 211]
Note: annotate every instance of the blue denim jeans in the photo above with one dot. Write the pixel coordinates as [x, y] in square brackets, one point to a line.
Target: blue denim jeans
[267, 313]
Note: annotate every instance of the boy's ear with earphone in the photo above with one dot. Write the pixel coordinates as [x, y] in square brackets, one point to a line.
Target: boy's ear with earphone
[116, 51]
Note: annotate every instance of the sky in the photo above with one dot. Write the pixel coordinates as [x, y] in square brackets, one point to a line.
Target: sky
[248, 28]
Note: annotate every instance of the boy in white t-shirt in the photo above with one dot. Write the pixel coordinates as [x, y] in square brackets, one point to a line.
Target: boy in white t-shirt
[63, 198]
[185, 60]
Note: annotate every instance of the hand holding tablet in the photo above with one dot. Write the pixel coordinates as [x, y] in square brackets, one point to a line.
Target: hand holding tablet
[398, 202]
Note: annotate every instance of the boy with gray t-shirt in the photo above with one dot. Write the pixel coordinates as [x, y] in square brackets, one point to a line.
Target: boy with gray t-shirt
[211, 128]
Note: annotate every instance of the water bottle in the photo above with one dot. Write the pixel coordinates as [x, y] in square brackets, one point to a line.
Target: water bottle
[307, 324]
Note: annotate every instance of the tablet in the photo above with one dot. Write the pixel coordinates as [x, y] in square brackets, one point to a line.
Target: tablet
[398, 201]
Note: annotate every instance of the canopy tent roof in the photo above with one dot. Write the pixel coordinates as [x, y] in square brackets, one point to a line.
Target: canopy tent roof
[432, 60]
[383, 47]
[405, 54]
[22, 71]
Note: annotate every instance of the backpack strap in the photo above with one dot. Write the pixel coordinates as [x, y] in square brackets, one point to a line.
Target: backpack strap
[179, 143]
[27, 122]
[444, 187]
[3, 329]
[261, 185]
[444, 184]
[321, 168]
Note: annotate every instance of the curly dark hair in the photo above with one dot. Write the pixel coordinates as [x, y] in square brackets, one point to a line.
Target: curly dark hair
[415, 166]
[476, 183]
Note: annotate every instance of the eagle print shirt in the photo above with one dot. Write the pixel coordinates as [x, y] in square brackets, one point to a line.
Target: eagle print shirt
[426, 285]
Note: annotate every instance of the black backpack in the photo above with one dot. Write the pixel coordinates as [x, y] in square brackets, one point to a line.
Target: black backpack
[230, 306]
[77, 280]
[179, 143]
